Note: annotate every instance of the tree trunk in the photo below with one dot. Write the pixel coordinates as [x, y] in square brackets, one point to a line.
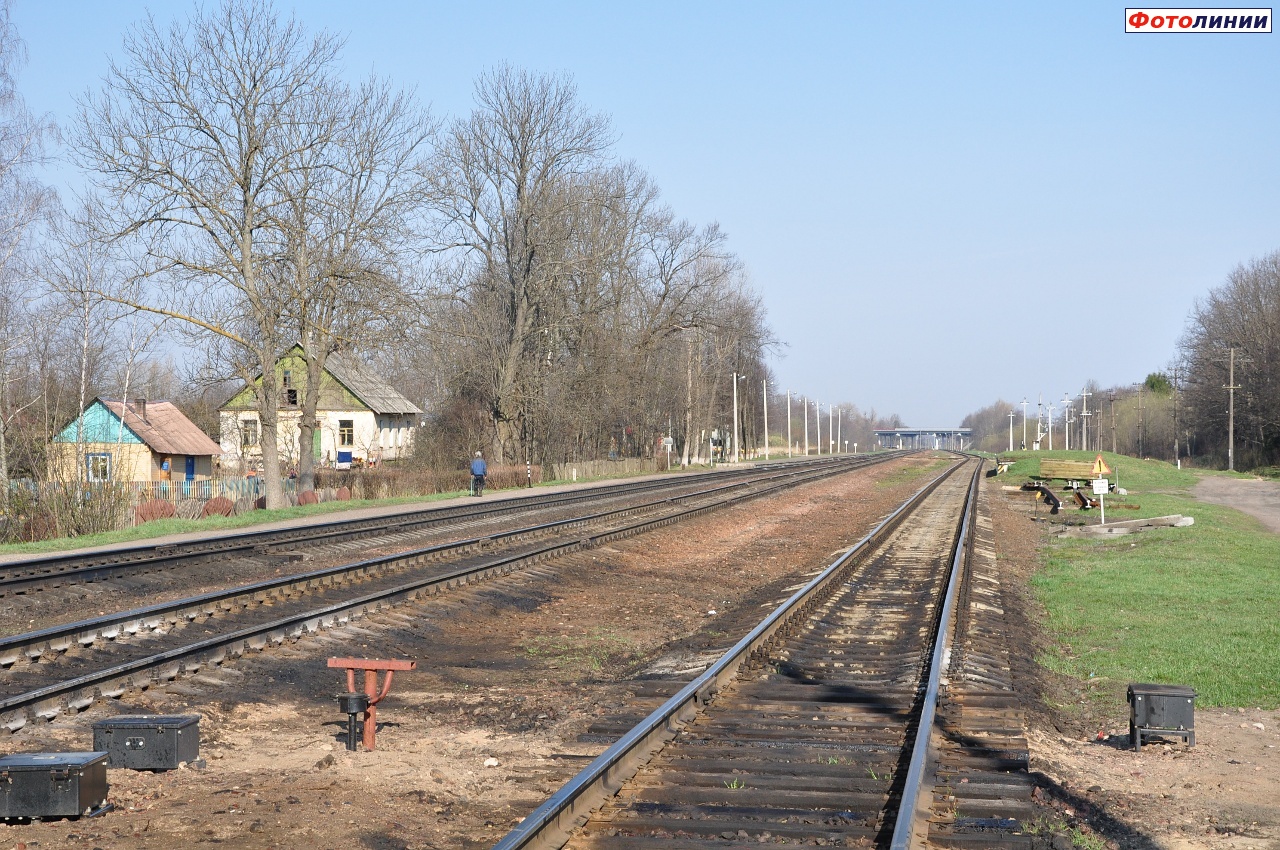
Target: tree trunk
[315, 356]
[688, 405]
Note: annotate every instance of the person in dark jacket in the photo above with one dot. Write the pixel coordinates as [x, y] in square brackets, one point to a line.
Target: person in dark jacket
[478, 470]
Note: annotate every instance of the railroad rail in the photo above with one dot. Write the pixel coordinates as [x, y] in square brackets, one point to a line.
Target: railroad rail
[35, 574]
[106, 656]
[815, 727]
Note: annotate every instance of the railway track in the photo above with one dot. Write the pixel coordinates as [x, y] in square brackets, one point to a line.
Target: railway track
[37, 574]
[821, 726]
[68, 667]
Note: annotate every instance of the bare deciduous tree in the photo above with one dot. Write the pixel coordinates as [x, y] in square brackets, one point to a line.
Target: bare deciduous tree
[22, 203]
[191, 141]
[353, 217]
[502, 181]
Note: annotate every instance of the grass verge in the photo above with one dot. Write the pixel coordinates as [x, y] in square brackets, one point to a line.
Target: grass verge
[1193, 606]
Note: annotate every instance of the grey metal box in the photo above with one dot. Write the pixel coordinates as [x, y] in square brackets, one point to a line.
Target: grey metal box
[51, 785]
[1161, 710]
[148, 741]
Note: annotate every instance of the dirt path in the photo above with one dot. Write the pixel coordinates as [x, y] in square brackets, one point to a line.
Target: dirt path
[1256, 497]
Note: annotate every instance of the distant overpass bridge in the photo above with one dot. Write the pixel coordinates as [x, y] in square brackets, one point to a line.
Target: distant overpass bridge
[958, 439]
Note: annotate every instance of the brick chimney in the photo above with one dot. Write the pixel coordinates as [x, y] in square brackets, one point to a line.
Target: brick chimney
[140, 406]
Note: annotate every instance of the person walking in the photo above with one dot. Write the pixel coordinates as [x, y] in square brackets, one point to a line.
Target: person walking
[478, 471]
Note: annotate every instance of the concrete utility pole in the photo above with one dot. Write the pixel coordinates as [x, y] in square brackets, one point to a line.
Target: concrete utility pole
[805, 402]
[1011, 415]
[1085, 414]
[765, 389]
[1111, 396]
[735, 417]
[789, 423]
[817, 426]
[1066, 420]
[1039, 420]
[831, 421]
[1024, 422]
[1140, 420]
[840, 430]
[1177, 454]
[1231, 413]
[1049, 411]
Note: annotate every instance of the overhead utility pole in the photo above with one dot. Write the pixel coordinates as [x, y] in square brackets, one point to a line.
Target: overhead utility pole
[765, 389]
[1231, 412]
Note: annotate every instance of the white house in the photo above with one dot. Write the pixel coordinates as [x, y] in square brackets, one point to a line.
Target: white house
[362, 419]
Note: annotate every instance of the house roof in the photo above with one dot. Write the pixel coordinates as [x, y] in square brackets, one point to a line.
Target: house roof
[165, 429]
[380, 396]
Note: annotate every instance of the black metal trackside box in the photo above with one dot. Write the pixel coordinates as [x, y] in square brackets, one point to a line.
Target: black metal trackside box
[1161, 711]
[52, 785]
[148, 741]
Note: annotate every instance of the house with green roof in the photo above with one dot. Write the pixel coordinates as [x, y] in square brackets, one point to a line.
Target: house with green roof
[362, 418]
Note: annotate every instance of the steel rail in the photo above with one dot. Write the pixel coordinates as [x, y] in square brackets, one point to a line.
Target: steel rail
[35, 573]
[550, 825]
[50, 700]
[907, 823]
[57, 639]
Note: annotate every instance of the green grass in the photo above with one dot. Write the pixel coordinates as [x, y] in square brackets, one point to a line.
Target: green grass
[1193, 606]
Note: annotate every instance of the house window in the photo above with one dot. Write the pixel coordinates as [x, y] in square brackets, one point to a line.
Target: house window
[98, 466]
[346, 432]
[248, 433]
[290, 391]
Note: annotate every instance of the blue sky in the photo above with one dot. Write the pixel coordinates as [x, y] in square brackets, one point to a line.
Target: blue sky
[940, 204]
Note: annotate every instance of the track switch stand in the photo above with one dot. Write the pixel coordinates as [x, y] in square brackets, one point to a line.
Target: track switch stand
[355, 702]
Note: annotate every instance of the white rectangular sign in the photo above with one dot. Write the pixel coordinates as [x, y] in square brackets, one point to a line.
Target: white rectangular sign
[1197, 20]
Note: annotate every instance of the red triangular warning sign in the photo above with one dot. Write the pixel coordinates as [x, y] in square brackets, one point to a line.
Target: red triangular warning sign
[1100, 466]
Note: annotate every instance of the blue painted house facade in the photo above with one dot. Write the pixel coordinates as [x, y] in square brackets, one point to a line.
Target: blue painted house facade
[133, 441]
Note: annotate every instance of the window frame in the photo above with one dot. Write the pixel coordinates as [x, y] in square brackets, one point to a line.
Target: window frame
[90, 461]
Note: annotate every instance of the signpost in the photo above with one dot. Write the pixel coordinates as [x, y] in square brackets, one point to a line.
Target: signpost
[1101, 485]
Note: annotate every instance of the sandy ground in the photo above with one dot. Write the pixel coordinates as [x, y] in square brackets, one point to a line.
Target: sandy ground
[1256, 497]
[1222, 793]
[512, 676]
